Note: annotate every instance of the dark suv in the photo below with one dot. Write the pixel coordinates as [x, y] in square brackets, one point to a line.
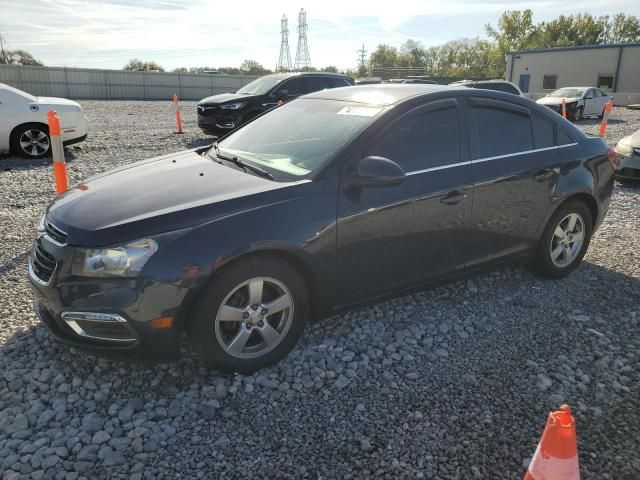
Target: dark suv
[219, 114]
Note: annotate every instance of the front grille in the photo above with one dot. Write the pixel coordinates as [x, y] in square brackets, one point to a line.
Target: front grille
[43, 263]
[206, 111]
[55, 233]
[630, 173]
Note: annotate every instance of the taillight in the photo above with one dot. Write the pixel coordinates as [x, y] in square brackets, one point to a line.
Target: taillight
[613, 158]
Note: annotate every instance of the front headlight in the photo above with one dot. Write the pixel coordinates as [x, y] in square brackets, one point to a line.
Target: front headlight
[119, 261]
[233, 106]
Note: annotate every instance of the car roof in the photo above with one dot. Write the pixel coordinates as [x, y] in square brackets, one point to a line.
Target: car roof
[297, 74]
[381, 94]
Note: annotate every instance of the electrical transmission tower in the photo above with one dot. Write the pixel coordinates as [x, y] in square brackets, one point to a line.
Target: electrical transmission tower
[302, 53]
[362, 61]
[284, 62]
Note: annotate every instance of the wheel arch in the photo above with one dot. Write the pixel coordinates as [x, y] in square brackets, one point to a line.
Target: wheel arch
[293, 259]
[583, 197]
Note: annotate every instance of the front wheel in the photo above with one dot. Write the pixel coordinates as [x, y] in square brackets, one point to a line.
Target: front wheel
[250, 316]
[31, 141]
[577, 115]
[565, 241]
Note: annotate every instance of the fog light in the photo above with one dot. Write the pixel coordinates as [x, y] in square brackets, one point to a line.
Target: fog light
[162, 323]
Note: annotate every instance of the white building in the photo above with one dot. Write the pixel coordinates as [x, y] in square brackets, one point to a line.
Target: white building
[614, 68]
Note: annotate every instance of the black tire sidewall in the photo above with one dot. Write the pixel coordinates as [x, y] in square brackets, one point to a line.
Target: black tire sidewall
[202, 327]
[17, 133]
[577, 115]
[542, 262]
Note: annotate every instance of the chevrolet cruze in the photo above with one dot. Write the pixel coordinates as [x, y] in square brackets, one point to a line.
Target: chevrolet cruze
[339, 197]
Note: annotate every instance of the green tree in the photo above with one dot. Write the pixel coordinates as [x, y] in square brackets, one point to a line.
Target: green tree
[136, 64]
[621, 28]
[252, 67]
[515, 31]
[19, 57]
[180, 70]
[385, 56]
[413, 53]
[330, 68]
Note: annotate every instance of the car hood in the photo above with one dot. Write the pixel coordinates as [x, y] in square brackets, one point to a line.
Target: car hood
[556, 100]
[632, 140]
[224, 98]
[158, 195]
[53, 101]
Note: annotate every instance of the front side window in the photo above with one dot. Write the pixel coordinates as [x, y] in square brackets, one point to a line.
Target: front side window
[294, 87]
[316, 83]
[501, 131]
[338, 82]
[296, 139]
[421, 140]
[549, 82]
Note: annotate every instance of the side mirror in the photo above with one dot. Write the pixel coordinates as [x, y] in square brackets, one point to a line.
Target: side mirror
[379, 171]
[589, 97]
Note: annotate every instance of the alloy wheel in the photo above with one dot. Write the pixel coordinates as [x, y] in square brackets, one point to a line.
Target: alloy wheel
[567, 240]
[254, 317]
[34, 142]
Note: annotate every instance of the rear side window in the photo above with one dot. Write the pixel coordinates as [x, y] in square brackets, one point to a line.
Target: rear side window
[421, 140]
[316, 83]
[543, 129]
[501, 131]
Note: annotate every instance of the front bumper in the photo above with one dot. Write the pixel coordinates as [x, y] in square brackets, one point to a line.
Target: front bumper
[628, 167]
[107, 316]
[218, 122]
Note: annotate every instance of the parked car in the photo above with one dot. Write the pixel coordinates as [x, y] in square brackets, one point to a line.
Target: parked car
[23, 122]
[580, 101]
[420, 80]
[337, 198]
[628, 150]
[497, 85]
[220, 114]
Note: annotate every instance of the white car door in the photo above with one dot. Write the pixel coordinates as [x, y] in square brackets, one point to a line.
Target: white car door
[603, 98]
[590, 102]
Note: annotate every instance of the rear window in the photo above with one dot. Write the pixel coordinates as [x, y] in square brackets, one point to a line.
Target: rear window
[563, 137]
[543, 129]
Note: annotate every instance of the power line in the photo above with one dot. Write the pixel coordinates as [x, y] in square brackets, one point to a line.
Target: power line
[302, 52]
[284, 61]
[362, 58]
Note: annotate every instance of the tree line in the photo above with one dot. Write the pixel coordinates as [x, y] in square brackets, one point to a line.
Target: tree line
[515, 30]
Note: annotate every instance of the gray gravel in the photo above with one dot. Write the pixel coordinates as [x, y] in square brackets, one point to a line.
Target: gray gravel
[448, 383]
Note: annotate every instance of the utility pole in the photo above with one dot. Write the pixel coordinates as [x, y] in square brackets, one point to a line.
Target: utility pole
[3, 55]
[302, 52]
[284, 61]
[362, 61]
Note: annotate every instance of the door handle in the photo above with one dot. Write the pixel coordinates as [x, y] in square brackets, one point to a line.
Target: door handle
[454, 197]
[543, 175]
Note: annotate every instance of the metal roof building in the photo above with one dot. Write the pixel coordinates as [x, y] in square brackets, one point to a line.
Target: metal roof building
[613, 67]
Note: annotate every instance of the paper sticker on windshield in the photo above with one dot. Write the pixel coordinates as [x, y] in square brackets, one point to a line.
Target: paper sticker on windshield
[360, 111]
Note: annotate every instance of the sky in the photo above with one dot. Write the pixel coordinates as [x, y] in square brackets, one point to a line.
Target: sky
[188, 33]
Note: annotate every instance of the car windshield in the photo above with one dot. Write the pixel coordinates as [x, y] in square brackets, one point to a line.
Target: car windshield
[568, 93]
[260, 86]
[297, 138]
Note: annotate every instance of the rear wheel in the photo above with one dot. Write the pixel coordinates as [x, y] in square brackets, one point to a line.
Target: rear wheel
[250, 316]
[565, 241]
[31, 141]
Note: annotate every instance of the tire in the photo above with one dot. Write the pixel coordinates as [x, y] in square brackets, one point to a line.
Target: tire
[577, 114]
[569, 258]
[31, 140]
[247, 343]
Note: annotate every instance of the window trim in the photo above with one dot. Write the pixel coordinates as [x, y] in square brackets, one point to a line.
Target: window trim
[555, 86]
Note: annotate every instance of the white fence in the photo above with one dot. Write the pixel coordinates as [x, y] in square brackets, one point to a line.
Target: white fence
[85, 83]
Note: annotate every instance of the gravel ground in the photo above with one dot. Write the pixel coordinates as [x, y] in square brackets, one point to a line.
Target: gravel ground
[449, 383]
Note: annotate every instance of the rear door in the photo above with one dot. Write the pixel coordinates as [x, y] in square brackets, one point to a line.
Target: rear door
[314, 84]
[515, 169]
[393, 237]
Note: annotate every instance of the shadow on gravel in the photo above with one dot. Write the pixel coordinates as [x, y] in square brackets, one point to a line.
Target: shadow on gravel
[13, 163]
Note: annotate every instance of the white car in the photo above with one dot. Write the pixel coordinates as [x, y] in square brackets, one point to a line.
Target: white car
[23, 122]
[580, 101]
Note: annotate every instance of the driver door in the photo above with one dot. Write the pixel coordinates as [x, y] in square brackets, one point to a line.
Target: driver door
[396, 236]
[590, 103]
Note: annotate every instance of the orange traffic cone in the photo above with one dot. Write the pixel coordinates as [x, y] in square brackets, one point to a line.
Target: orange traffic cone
[556, 457]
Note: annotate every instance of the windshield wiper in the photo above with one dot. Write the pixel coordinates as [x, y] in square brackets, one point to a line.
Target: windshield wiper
[239, 163]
